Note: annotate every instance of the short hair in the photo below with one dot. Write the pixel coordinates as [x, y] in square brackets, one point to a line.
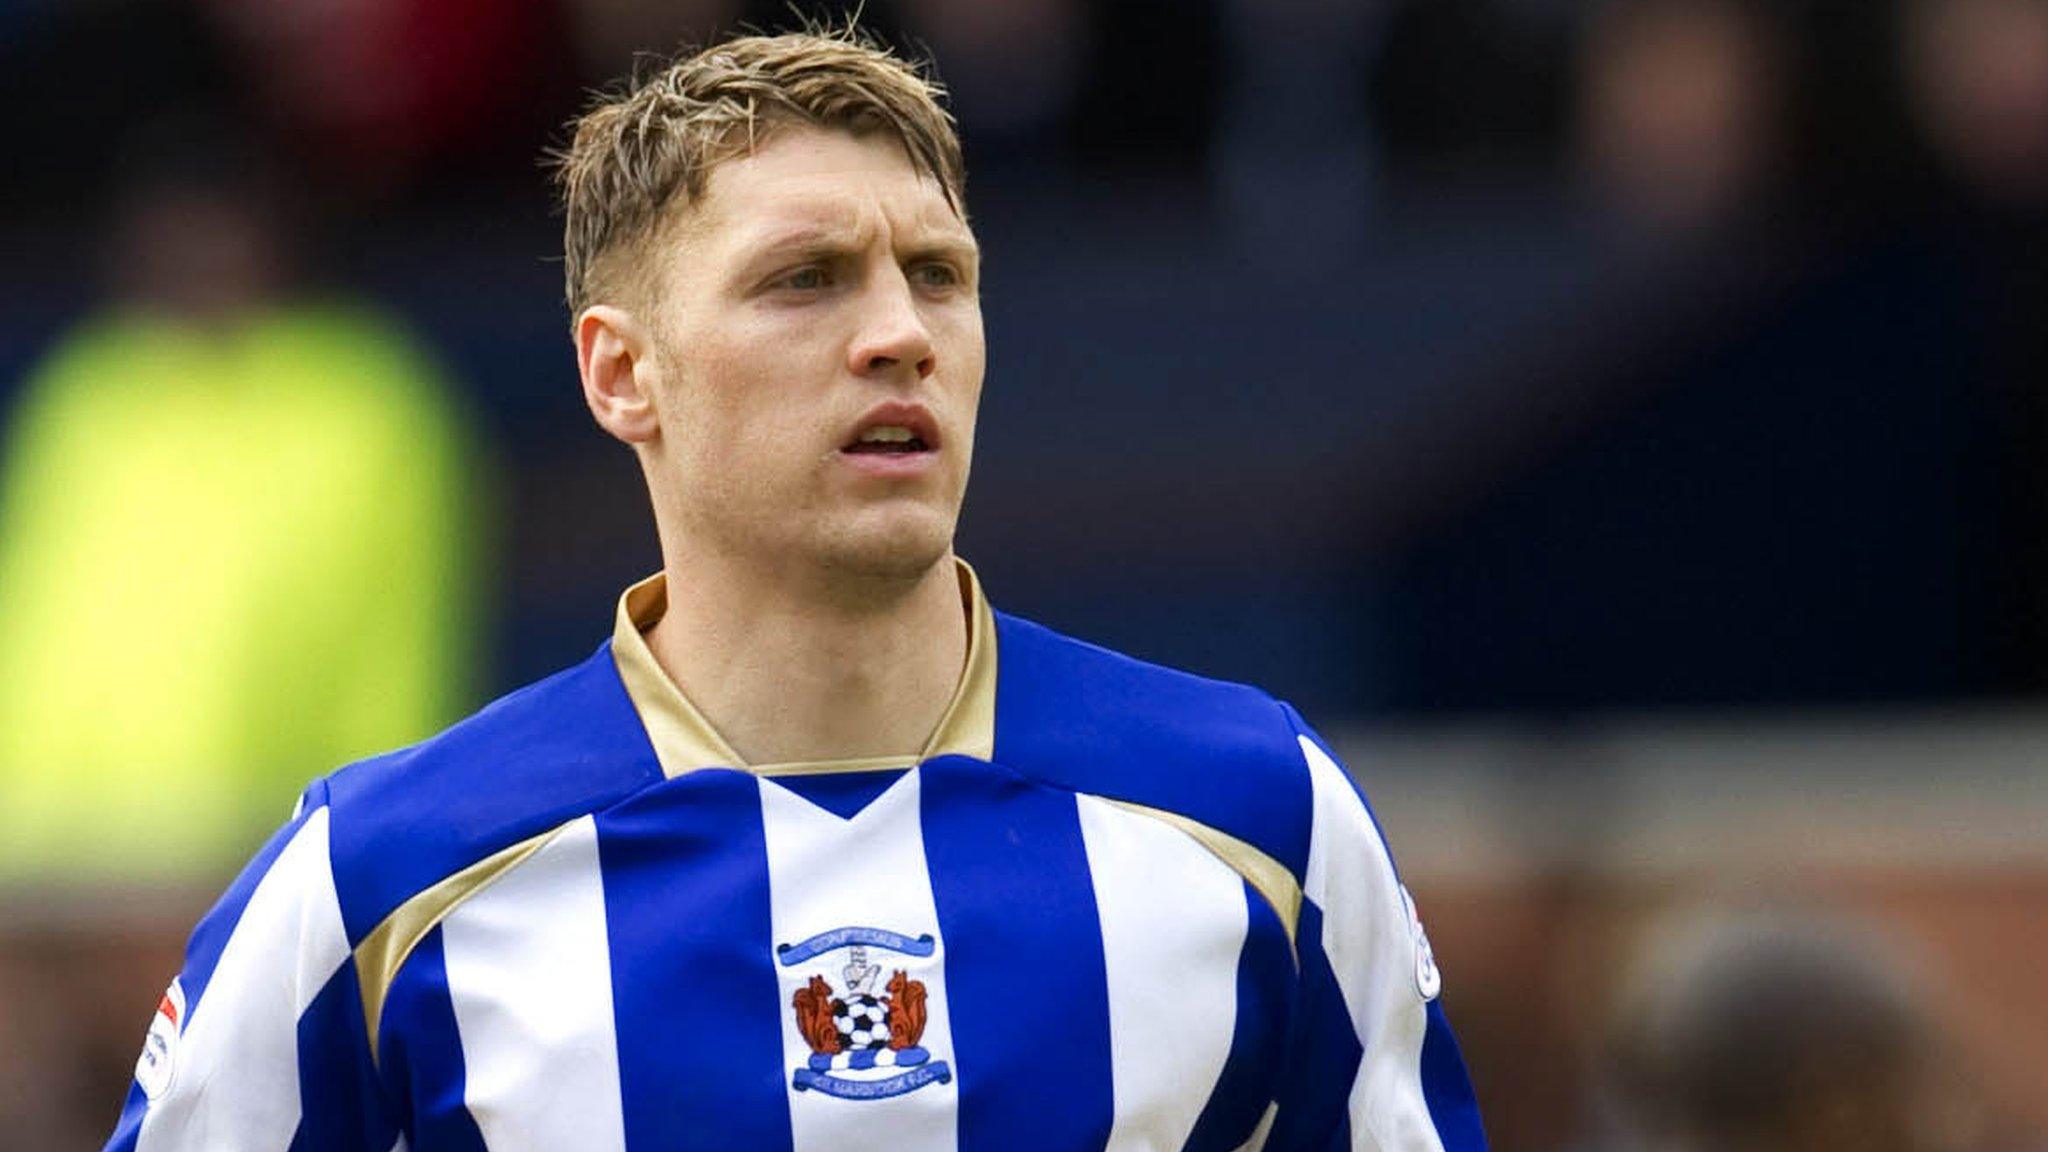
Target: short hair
[662, 132]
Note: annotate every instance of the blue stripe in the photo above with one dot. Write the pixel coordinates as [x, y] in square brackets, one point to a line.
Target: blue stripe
[341, 1107]
[697, 1003]
[1452, 1106]
[421, 1055]
[1026, 985]
[1250, 1078]
[1323, 1051]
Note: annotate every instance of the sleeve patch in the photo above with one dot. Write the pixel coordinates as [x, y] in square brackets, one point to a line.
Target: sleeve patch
[158, 1063]
[1429, 981]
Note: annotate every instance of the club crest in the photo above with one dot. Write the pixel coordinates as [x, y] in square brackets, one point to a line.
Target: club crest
[864, 1032]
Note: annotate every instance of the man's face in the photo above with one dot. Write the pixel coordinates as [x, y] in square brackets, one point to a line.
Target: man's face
[820, 357]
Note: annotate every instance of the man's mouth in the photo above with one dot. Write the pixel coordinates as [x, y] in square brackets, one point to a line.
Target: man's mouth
[887, 439]
[894, 428]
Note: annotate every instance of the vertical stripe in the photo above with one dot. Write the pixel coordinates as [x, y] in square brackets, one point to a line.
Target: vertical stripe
[1025, 969]
[1445, 1083]
[1373, 955]
[529, 974]
[1240, 1110]
[1173, 922]
[1323, 1051]
[828, 873]
[235, 1083]
[342, 1105]
[420, 1052]
[697, 1006]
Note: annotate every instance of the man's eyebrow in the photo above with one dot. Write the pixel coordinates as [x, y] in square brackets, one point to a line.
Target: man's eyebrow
[943, 235]
[772, 239]
[948, 244]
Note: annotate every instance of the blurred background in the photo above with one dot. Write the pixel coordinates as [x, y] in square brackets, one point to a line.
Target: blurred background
[1622, 426]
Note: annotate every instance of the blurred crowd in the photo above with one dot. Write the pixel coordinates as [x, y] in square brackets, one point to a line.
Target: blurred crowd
[1483, 275]
[1416, 359]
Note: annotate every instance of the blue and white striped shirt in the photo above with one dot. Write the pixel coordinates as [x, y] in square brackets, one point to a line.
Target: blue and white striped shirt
[1110, 907]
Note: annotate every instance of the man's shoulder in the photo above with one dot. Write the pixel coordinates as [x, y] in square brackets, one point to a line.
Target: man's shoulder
[528, 762]
[1053, 687]
[1096, 721]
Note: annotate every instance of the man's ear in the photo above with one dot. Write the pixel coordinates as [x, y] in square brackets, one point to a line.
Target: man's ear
[616, 359]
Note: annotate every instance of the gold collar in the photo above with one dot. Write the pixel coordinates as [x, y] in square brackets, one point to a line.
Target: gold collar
[685, 741]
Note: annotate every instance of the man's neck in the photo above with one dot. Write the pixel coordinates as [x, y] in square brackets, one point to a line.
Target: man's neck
[787, 676]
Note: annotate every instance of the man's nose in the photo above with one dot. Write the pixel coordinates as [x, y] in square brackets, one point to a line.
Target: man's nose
[892, 331]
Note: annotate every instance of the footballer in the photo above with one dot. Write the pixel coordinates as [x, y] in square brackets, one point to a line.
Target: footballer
[819, 851]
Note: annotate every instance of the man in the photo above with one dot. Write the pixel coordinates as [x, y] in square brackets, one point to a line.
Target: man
[819, 852]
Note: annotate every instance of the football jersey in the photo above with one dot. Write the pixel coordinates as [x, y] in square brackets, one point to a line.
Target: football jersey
[1110, 906]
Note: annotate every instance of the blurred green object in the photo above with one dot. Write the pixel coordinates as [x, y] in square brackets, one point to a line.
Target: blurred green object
[233, 555]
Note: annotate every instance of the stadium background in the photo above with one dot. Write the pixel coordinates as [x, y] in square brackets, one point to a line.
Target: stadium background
[1619, 425]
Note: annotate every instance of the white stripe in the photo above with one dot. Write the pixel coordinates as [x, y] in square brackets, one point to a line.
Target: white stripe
[235, 1081]
[868, 872]
[1173, 925]
[529, 973]
[1373, 952]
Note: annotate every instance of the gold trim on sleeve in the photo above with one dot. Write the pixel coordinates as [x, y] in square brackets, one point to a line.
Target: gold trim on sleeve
[1267, 876]
[381, 954]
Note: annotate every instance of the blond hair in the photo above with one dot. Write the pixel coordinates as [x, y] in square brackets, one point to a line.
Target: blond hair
[660, 135]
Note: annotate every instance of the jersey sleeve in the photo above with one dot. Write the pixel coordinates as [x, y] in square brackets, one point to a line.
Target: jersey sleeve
[258, 1045]
[1373, 1065]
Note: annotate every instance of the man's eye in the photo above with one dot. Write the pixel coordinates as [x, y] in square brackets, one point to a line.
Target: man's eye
[806, 278]
[935, 275]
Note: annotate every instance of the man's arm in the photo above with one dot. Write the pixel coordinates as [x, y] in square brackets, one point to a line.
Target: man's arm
[259, 1044]
[1374, 1067]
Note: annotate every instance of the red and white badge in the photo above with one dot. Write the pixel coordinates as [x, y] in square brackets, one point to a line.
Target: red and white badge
[159, 1059]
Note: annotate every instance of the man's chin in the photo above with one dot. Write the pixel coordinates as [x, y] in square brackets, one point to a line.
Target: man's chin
[900, 549]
